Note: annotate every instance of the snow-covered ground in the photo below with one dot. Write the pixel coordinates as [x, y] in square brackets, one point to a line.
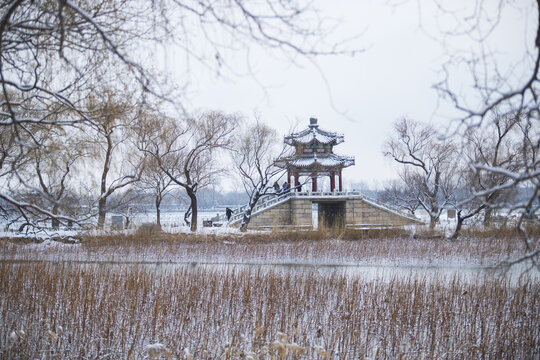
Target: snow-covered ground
[173, 219]
[171, 222]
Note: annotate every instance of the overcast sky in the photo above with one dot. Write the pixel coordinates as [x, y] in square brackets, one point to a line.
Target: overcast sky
[392, 78]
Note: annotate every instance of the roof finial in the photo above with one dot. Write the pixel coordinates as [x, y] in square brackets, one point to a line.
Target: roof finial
[313, 122]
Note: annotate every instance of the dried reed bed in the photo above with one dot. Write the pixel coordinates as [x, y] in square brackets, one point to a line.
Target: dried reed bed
[300, 247]
[117, 311]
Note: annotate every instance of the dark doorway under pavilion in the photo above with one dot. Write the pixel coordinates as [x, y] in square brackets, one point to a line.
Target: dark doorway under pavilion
[331, 214]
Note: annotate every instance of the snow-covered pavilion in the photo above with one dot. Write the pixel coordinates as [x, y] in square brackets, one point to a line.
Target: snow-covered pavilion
[314, 157]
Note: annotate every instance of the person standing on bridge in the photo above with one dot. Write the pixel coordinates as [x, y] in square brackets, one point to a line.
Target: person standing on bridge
[228, 212]
[286, 187]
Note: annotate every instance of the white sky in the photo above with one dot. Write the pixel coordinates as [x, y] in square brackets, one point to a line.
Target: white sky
[391, 79]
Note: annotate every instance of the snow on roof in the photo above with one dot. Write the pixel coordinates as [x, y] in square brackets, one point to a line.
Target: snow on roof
[312, 133]
[325, 159]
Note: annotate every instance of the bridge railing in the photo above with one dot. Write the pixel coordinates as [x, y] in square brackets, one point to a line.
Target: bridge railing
[389, 207]
[269, 200]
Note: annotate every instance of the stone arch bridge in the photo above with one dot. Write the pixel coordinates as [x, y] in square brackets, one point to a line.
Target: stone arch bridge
[295, 210]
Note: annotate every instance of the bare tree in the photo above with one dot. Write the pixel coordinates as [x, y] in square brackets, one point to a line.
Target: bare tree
[398, 194]
[52, 166]
[49, 54]
[158, 183]
[492, 145]
[188, 152]
[257, 148]
[507, 85]
[36, 166]
[163, 139]
[8, 149]
[53, 52]
[427, 164]
[121, 165]
[208, 134]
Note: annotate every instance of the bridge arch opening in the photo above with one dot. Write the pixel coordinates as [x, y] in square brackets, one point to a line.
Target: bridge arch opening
[331, 214]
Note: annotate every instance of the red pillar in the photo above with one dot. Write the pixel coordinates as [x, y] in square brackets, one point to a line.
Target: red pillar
[340, 183]
[314, 183]
[296, 182]
[332, 181]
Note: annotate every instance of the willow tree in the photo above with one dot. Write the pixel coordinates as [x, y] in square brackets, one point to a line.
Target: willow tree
[114, 154]
[52, 53]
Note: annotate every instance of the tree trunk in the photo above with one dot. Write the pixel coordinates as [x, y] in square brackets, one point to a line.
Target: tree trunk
[193, 198]
[102, 212]
[158, 211]
[187, 216]
[487, 216]
[55, 223]
[459, 224]
[245, 220]
[102, 204]
[432, 221]
[461, 220]
[247, 214]
[433, 211]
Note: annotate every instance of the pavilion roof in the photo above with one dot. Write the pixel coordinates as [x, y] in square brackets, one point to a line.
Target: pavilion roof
[312, 133]
[312, 160]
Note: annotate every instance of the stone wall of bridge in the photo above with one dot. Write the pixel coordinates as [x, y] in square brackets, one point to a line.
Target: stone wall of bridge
[274, 217]
[296, 213]
[359, 213]
[293, 213]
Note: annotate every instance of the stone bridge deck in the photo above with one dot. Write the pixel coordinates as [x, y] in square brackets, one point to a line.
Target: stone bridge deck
[294, 211]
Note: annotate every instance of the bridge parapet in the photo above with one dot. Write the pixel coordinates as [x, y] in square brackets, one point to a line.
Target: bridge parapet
[293, 209]
[273, 199]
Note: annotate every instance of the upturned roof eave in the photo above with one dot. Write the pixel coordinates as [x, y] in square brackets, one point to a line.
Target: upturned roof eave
[292, 142]
[295, 137]
[342, 163]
